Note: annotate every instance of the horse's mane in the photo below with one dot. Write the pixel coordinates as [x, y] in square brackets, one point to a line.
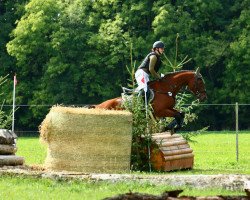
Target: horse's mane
[177, 72]
[170, 74]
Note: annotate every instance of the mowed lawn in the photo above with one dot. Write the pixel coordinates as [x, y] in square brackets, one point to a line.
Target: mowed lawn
[215, 152]
[30, 188]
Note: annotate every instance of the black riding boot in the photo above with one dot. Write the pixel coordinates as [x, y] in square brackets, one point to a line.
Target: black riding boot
[176, 124]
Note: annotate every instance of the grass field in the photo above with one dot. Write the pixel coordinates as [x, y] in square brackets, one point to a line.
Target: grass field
[214, 154]
[28, 188]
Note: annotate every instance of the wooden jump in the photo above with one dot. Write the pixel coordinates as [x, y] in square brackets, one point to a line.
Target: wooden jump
[172, 152]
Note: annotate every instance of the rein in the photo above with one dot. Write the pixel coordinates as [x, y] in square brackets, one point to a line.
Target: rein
[169, 93]
[161, 92]
[198, 92]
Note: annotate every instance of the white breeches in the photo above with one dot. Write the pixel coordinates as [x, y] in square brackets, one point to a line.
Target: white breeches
[142, 79]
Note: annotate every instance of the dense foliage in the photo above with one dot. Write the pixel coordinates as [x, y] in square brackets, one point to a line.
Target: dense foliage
[5, 118]
[76, 52]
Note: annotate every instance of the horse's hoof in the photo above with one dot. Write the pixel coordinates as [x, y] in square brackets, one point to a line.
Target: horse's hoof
[172, 132]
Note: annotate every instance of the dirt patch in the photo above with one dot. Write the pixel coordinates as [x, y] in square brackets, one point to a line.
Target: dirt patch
[228, 181]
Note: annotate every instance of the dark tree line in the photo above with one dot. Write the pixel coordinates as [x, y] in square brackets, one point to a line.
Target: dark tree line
[76, 52]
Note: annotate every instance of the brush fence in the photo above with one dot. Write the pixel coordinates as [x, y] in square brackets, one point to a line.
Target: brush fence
[171, 152]
[87, 140]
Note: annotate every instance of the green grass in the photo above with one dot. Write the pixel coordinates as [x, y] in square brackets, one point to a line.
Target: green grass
[32, 150]
[25, 188]
[215, 152]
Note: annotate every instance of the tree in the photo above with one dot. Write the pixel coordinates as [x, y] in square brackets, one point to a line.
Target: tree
[235, 79]
[76, 52]
[5, 118]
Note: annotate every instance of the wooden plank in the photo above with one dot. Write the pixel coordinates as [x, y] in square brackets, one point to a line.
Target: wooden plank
[185, 163]
[7, 149]
[175, 143]
[11, 160]
[183, 146]
[173, 148]
[7, 136]
[165, 135]
[170, 148]
[176, 152]
[163, 140]
[177, 157]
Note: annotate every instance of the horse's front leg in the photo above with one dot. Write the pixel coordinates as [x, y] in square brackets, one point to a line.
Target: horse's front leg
[177, 123]
[179, 118]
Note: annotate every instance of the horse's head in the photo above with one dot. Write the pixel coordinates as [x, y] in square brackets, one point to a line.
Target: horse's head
[197, 86]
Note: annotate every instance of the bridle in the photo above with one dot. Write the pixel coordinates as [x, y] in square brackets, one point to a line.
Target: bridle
[198, 92]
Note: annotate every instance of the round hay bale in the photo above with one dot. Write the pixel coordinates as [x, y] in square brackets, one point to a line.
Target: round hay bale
[87, 140]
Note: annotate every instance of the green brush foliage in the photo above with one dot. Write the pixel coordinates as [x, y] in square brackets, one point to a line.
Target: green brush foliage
[5, 119]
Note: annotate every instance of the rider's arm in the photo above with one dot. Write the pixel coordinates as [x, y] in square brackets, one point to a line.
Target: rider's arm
[152, 62]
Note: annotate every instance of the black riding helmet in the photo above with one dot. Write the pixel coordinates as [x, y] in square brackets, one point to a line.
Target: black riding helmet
[158, 44]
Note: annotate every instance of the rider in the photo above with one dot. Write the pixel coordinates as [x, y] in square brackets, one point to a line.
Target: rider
[149, 66]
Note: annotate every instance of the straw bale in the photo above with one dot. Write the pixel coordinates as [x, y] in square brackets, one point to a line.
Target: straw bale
[87, 140]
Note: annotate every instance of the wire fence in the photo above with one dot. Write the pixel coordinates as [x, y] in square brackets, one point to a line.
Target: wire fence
[216, 117]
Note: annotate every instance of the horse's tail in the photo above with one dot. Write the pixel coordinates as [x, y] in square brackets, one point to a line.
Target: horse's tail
[89, 106]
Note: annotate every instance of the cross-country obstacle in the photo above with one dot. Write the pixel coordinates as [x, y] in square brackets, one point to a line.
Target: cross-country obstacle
[87, 140]
[8, 149]
[171, 152]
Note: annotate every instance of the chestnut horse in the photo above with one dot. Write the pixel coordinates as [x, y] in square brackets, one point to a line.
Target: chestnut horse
[165, 91]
